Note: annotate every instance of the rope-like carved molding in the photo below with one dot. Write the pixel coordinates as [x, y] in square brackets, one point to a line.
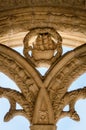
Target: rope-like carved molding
[47, 96]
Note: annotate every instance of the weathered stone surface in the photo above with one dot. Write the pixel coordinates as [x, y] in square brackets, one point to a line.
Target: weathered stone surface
[43, 98]
[9, 4]
[18, 17]
[43, 127]
[45, 45]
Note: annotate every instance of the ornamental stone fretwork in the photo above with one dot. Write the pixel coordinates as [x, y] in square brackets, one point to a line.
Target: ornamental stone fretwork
[43, 98]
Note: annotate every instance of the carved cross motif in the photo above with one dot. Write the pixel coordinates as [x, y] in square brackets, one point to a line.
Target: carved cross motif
[43, 98]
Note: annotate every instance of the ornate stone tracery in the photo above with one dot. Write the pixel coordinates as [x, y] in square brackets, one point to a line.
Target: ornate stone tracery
[43, 98]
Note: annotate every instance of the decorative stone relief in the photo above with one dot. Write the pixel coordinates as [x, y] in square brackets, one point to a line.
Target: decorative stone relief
[46, 48]
[43, 98]
[18, 19]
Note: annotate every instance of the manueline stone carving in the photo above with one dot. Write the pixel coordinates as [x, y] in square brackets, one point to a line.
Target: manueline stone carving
[18, 19]
[45, 49]
[43, 98]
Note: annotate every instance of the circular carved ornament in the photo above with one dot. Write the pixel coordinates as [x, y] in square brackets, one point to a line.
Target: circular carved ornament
[42, 46]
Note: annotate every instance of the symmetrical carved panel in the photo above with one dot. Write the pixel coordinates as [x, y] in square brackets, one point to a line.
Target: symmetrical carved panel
[43, 98]
[68, 17]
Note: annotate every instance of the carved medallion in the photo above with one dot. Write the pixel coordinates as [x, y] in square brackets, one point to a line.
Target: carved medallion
[45, 49]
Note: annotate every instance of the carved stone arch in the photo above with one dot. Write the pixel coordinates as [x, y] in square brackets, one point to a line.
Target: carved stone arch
[61, 91]
[16, 68]
[52, 87]
[44, 95]
[64, 20]
[70, 59]
[20, 61]
[74, 66]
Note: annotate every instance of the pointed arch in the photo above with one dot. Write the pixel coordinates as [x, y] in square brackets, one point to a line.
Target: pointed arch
[62, 74]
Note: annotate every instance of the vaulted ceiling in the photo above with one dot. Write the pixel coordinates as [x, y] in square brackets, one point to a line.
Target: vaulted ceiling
[68, 17]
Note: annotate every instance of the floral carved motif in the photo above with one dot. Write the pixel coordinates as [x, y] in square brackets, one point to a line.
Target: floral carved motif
[43, 98]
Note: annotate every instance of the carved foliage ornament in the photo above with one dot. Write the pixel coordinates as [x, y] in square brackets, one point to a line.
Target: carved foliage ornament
[43, 98]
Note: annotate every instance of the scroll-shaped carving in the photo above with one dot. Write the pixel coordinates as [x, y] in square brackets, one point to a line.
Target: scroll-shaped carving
[71, 98]
[52, 88]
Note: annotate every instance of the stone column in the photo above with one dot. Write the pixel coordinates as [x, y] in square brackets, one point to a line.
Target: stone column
[43, 127]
